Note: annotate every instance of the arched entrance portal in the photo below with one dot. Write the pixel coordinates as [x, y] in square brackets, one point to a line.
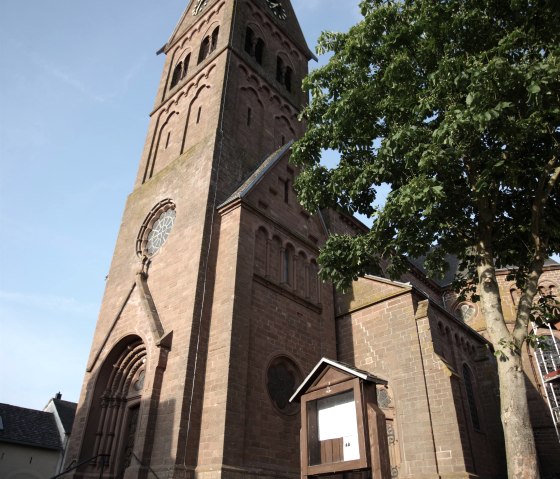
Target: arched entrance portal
[115, 410]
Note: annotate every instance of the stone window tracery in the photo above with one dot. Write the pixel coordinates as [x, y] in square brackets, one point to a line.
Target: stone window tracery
[465, 311]
[156, 229]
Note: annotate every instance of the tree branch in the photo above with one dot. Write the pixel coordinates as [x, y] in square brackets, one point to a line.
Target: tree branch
[546, 184]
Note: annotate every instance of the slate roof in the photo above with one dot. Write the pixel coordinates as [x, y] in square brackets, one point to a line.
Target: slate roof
[66, 411]
[256, 176]
[29, 427]
[449, 274]
[453, 268]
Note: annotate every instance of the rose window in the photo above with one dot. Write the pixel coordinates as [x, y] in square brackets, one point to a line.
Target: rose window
[160, 232]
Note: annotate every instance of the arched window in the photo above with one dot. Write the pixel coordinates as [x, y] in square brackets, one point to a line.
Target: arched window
[261, 252]
[279, 70]
[288, 79]
[467, 378]
[288, 265]
[276, 260]
[214, 43]
[314, 281]
[254, 46]
[249, 41]
[208, 45]
[259, 51]
[284, 74]
[177, 74]
[301, 273]
[204, 49]
[186, 62]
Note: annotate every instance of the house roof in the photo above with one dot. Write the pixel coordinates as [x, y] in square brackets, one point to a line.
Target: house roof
[325, 363]
[66, 411]
[28, 427]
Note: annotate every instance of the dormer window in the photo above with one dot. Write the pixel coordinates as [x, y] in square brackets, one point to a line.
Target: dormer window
[254, 46]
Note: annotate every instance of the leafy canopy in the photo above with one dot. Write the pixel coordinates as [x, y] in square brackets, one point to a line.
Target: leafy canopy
[453, 103]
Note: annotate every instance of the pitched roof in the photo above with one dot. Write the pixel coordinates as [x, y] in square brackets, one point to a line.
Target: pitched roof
[66, 411]
[28, 427]
[346, 368]
[449, 275]
[453, 262]
[255, 177]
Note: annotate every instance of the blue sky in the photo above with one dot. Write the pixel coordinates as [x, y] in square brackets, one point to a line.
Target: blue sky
[77, 82]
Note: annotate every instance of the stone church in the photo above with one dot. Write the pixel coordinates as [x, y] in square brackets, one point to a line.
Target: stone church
[213, 313]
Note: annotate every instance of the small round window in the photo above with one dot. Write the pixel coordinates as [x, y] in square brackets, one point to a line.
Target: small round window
[156, 229]
[282, 379]
[465, 311]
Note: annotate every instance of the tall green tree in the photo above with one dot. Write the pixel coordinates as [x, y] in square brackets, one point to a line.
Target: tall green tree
[455, 105]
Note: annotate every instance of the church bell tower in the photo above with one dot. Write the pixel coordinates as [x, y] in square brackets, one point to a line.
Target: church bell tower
[212, 310]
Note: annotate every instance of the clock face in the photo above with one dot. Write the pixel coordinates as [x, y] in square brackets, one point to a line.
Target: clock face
[277, 8]
[200, 4]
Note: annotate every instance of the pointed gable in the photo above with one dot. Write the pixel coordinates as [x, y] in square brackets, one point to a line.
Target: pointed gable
[367, 291]
[190, 16]
[292, 28]
[328, 372]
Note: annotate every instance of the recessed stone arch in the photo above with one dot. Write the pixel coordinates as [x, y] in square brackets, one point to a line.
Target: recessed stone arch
[115, 406]
[302, 274]
[260, 254]
[314, 290]
[288, 260]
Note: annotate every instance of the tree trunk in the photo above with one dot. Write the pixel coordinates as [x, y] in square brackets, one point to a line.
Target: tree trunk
[521, 454]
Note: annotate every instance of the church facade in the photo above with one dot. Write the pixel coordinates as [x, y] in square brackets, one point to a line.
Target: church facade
[213, 313]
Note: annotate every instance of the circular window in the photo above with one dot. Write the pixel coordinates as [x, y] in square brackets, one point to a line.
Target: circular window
[155, 229]
[160, 231]
[465, 311]
[282, 379]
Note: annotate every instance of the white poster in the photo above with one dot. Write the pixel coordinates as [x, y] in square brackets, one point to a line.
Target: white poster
[337, 419]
